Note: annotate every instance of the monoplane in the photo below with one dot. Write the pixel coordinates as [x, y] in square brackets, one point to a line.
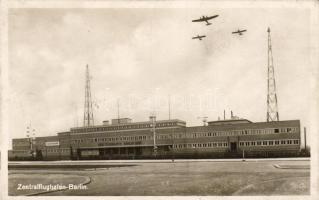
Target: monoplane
[199, 37]
[239, 32]
[205, 19]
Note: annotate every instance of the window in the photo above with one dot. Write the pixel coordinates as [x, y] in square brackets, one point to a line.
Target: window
[276, 130]
[258, 143]
[209, 144]
[247, 143]
[289, 142]
[199, 145]
[271, 142]
[277, 142]
[296, 141]
[283, 142]
[253, 143]
[289, 130]
[264, 143]
[241, 143]
[214, 144]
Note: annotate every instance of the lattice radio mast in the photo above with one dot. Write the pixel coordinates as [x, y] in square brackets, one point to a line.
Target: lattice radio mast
[272, 106]
[88, 111]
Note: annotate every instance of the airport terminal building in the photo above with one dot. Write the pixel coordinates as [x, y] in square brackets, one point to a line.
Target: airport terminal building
[124, 139]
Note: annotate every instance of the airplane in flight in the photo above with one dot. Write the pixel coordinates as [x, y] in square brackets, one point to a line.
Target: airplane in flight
[239, 32]
[199, 37]
[205, 19]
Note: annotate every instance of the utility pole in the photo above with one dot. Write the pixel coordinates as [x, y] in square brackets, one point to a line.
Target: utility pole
[88, 111]
[272, 106]
[153, 121]
[118, 115]
[169, 107]
[118, 111]
[31, 138]
[305, 135]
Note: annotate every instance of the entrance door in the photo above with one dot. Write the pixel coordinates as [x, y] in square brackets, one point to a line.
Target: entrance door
[233, 146]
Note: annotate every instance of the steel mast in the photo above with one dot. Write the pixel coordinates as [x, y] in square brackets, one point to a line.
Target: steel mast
[272, 106]
[88, 111]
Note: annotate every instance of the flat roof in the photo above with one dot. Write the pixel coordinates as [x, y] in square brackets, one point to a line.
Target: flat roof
[131, 123]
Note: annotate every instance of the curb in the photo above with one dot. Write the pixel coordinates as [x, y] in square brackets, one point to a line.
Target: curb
[292, 167]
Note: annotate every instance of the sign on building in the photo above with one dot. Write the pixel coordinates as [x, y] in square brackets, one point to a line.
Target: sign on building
[53, 143]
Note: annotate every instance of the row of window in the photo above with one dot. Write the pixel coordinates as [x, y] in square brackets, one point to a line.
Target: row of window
[245, 132]
[51, 150]
[195, 135]
[243, 143]
[201, 145]
[114, 139]
[122, 127]
[123, 138]
[268, 142]
[57, 150]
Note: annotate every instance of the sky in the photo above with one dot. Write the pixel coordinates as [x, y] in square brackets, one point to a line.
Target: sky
[143, 56]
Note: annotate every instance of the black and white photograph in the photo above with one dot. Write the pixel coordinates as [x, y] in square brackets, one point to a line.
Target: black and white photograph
[162, 99]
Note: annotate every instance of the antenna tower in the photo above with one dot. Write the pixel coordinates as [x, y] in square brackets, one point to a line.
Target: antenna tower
[272, 106]
[88, 111]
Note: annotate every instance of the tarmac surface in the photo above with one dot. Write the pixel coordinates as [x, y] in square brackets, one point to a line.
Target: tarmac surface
[162, 177]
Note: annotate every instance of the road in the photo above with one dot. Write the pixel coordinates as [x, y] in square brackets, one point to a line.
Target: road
[166, 178]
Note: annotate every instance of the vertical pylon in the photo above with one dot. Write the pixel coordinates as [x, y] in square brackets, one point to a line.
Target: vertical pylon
[88, 111]
[272, 106]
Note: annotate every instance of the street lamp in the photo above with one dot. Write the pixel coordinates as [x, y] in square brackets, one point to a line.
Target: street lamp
[31, 131]
[153, 125]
